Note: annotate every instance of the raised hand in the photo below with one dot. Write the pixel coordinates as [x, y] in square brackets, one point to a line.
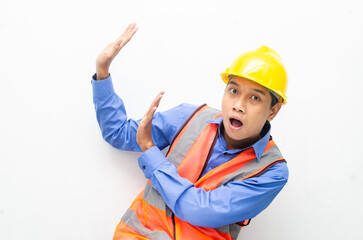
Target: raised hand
[143, 136]
[106, 56]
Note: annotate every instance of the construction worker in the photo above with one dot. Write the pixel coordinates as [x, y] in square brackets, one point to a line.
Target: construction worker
[222, 167]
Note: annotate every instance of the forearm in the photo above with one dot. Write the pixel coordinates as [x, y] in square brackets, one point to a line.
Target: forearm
[234, 202]
[112, 117]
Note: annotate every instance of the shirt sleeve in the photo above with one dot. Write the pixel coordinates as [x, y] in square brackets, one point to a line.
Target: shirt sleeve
[120, 131]
[231, 203]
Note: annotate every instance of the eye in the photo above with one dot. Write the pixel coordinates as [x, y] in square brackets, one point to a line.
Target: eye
[256, 98]
[232, 90]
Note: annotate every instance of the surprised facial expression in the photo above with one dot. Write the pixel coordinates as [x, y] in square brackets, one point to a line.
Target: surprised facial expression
[246, 106]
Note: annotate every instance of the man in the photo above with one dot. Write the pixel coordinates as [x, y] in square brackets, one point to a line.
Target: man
[222, 168]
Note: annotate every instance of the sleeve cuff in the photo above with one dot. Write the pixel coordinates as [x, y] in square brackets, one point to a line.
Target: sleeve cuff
[102, 88]
[151, 160]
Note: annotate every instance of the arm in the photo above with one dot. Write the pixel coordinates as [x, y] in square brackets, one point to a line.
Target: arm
[120, 132]
[233, 202]
[110, 109]
[116, 128]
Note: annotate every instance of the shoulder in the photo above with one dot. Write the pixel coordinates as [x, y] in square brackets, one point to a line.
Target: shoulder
[279, 171]
[170, 121]
[274, 178]
[186, 107]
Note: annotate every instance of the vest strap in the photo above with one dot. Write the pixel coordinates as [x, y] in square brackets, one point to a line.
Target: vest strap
[181, 131]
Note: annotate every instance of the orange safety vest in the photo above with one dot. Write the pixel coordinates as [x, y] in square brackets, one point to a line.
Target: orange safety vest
[150, 218]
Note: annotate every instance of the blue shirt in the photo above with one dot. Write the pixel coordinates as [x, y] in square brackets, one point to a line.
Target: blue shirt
[234, 202]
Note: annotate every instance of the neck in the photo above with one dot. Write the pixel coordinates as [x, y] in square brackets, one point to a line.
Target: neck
[239, 144]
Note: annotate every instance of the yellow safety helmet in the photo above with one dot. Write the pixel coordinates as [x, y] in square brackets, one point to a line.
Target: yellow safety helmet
[263, 66]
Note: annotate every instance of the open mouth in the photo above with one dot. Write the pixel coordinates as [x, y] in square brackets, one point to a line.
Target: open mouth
[235, 123]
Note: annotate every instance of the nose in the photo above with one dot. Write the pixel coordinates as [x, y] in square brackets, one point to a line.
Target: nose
[239, 106]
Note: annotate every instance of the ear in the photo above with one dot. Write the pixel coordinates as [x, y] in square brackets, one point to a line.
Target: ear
[274, 111]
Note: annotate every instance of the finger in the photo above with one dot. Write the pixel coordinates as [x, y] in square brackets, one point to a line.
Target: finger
[125, 38]
[152, 112]
[133, 31]
[131, 26]
[156, 101]
[158, 98]
[127, 34]
[147, 119]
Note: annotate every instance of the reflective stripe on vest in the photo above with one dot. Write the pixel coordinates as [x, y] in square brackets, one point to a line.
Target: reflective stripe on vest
[150, 218]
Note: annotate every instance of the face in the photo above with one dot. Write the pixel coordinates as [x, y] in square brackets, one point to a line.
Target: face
[246, 106]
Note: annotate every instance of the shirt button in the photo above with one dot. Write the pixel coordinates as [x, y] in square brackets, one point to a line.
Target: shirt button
[225, 153]
[143, 167]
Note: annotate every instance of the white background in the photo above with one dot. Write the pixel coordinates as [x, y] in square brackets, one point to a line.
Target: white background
[60, 180]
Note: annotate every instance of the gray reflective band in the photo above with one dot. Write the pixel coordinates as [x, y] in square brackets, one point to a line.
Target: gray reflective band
[231, 229]
[267, 157]
[130, 218]
[190, 135]
[152, 197]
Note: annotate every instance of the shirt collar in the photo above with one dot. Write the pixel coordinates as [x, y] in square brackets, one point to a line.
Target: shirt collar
[258, 146]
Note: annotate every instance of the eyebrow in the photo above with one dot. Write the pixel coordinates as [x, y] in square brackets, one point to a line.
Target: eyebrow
[233, 83]
[254, 89]
[259, 91]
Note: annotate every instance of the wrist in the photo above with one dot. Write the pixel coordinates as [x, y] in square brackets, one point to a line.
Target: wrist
[102, 71]
[146, 147]
[101, 75]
